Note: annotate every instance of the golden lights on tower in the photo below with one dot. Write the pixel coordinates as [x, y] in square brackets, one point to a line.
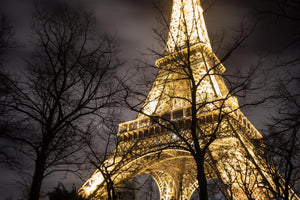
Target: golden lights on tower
[187, 25]
[146, 138]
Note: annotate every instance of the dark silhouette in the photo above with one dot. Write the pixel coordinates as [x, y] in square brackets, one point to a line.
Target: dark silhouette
[68, 83]
[60, 193]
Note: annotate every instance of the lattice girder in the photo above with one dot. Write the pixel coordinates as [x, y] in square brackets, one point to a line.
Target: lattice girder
[152, 154]
[150, 143]
[166, 185]
[172, 85]
[233, 143]
[187, 24]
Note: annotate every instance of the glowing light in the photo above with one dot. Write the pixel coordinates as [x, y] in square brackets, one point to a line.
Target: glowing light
[187, 24]
[165, 101]
[150, 108]
[91, 184]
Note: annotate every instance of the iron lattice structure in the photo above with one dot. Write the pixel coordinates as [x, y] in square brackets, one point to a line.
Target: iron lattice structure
[156, 142]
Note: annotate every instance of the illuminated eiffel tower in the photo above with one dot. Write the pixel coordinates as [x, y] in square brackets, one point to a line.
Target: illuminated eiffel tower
[153, 143]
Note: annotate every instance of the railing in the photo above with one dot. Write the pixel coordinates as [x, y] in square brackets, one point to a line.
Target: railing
[180, 118]
[154, 120]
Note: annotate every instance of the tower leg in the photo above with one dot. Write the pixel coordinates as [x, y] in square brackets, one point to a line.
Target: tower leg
[166, 185]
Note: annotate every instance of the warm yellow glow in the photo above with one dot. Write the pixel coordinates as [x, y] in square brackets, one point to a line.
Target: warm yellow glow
[170, 88]
[145, 145]
[91, 184]
[150, 108]
[187, 23]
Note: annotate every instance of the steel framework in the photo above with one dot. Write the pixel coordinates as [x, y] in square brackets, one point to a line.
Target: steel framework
[151, 144]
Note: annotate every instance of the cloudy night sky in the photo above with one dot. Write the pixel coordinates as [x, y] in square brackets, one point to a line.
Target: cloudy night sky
[132, 22]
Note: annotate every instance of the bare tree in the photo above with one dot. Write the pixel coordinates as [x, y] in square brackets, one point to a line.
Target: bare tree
[282, 134]
[282, 141]
[68, 84]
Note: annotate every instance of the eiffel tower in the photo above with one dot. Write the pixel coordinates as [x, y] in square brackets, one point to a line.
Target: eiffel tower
[159, 140]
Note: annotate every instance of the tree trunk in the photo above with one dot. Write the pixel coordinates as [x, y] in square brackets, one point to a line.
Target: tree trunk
[37, 179]
[108, 191]
[111, 193]
[203, 195]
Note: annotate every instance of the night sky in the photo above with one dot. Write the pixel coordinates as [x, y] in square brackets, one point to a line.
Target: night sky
[132, 22]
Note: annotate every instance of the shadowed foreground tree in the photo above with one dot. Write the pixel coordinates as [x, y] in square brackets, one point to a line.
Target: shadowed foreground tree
[67, 86]
[282, 140]
[282, 135]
